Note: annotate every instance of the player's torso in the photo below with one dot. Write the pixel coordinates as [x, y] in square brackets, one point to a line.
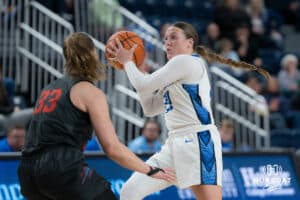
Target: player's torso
[187, 102]
[56, 120]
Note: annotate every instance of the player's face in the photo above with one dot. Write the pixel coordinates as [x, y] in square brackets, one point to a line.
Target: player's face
[176, 42]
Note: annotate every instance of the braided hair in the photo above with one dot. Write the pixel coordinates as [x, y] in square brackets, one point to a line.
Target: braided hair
[210, 56]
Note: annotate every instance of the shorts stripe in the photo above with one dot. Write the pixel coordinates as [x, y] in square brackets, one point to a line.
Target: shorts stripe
[207, 158]
[85, 171]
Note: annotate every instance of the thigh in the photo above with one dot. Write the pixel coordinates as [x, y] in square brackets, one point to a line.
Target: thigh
[80, 183]
[140, 185]
[198, 158]
[163, 158]
[203, 192]
[62, 175]
[106, 195]
[29, 189]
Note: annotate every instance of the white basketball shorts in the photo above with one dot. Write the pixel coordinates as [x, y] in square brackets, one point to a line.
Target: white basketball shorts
[195, 154]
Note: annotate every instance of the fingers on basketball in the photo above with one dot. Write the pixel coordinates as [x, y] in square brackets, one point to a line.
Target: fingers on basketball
[128, 40]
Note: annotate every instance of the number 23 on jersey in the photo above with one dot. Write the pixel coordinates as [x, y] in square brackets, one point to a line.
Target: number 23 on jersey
[47, 101]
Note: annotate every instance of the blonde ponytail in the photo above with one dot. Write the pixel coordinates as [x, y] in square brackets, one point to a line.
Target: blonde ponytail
[210, 56]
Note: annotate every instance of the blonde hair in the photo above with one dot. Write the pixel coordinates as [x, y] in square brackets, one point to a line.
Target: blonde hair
[82, 60]
[211, 56]
[214, 57]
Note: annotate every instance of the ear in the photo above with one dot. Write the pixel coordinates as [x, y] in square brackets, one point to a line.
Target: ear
[190, 43]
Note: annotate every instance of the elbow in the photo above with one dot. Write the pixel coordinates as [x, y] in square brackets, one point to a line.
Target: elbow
[139, 88]
[140, 85]
[111, 151]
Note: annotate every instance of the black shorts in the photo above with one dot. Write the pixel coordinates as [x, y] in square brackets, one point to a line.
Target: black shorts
[61, 175]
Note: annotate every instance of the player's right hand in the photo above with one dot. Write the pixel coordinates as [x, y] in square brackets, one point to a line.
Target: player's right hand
[166, 174]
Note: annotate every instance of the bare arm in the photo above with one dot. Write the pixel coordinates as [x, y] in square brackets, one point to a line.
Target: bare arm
[92, 100]
[98, 110]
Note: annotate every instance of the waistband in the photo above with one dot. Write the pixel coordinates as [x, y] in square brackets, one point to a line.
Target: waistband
[191, 128]
[59, 148]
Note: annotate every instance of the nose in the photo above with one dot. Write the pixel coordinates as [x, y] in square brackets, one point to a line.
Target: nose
[167, 42]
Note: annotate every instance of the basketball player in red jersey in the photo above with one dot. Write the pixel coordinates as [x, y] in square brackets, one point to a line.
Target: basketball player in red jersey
[52, 165]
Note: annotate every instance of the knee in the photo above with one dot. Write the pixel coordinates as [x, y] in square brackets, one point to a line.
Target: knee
[130, 192]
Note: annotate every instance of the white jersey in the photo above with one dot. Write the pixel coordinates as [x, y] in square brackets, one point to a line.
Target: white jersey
[182, 91]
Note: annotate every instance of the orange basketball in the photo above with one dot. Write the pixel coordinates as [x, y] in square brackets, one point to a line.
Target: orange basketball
[127, 39]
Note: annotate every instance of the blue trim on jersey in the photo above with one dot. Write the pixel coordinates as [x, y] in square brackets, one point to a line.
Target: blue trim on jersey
[202, 113]
[196, 55]
[207, 159]
[167, 102]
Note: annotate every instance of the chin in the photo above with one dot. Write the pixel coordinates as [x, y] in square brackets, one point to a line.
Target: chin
[169, 56]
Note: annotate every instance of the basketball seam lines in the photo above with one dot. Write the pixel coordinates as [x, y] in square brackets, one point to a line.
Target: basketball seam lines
[128, 38]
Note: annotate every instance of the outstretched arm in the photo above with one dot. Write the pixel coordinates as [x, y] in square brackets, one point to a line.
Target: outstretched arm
[90, 99]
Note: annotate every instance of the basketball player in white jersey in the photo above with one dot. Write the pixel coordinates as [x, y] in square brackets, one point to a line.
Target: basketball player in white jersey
[181, 90]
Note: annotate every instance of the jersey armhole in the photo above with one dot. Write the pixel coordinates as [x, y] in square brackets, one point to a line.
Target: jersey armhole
[69, 96]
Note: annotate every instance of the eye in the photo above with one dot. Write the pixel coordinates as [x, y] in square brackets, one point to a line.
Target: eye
[171, 36]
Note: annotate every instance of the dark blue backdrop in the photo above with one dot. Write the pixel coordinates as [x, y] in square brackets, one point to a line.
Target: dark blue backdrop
[246, 176]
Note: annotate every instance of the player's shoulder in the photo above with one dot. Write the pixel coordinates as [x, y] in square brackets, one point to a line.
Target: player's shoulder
[87, 90]
[182, 57]
[190, 63]
[188, 58]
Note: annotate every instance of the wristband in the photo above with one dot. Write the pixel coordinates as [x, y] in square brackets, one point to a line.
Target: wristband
[154, 170]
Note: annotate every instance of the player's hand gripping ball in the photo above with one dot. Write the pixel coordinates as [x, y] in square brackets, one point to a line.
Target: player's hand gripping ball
[128, 39]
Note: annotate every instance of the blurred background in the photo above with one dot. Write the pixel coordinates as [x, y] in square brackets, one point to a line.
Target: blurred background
[258, 119]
